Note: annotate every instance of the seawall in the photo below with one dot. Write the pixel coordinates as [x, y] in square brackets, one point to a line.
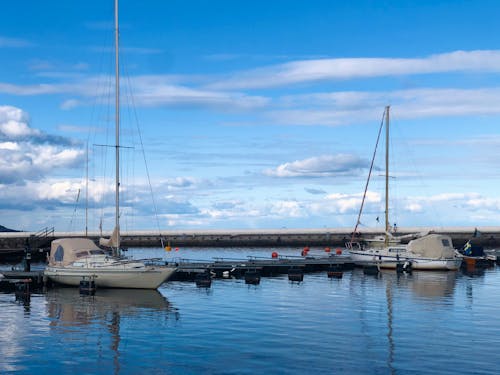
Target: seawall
[332, 237]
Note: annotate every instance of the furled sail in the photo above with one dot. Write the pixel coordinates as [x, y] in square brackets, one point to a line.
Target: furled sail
[110, 242]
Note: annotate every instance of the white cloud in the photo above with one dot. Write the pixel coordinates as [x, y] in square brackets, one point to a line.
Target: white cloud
[287, 208]
[14, 123]
[472, 202]
[343, 203]
[27, 153]
[330, 108]
[62, 191]
[149, 91]
[79, 129]
[319, 166]
[447, 197]
[414, 207]
[490, 204]
[160, 91]
[342, 108]
[70, 104]
[352, 68]
[40, 89]
[32, 194]
[11, 146]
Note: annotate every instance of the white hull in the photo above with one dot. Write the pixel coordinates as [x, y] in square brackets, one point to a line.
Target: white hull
[145, 278]
[417, 263]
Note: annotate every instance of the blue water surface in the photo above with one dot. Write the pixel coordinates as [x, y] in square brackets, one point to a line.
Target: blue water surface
[423, 323]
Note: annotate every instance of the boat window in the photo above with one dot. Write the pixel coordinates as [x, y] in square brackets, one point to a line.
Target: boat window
[82, 254]
[59, 254]
[396, 249]
[97, 252]
[445, 242]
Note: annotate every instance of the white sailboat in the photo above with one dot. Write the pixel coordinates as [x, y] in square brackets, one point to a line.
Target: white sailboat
[426, 252]
[73, 259]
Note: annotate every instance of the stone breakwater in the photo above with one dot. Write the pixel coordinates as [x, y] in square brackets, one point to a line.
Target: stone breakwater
[325, 237]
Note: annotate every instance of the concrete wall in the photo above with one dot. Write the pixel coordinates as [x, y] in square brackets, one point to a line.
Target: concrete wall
[332, 237]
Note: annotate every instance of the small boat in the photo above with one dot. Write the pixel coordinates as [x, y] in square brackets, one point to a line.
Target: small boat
[425, 252]
[474, 256]
[72, 260]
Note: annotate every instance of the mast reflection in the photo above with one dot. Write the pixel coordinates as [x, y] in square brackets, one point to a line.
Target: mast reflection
[68, 310]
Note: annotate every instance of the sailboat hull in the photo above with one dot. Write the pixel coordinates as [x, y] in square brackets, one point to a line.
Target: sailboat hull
[149, 278]
[390, 262]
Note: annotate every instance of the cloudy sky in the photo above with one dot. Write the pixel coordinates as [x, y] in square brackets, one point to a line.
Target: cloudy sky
[260, 114]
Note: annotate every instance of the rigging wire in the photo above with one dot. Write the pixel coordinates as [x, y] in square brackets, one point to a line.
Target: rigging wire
[369, 175]
[155, 207]
[74, 210]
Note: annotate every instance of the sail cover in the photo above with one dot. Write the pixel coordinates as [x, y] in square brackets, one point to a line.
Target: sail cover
[63, 251]
[435, 246]
[110, 242]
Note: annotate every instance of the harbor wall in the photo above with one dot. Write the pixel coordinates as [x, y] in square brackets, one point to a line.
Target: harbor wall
[331, 237]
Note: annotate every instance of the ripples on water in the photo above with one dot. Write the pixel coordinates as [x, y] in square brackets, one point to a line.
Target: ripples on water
[427, 322]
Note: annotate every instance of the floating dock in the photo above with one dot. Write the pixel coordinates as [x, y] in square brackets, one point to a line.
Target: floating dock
[188, 270]
[225, 267]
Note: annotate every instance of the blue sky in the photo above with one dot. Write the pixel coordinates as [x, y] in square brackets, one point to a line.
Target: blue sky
[259, 114]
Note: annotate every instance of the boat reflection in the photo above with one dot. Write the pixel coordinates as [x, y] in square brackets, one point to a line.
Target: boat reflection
[425, 284]
[67, 307]
[436, 284]
[69, 310]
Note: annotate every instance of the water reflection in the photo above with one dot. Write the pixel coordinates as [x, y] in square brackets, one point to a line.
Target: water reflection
[426, 284]
[66, 307]
[68, 310]
[436, 286]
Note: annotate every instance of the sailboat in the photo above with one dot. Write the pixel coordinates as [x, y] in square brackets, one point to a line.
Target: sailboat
[72, 260]
[426, 252]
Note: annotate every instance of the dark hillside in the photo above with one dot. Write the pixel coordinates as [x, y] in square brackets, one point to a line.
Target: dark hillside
[3, 229]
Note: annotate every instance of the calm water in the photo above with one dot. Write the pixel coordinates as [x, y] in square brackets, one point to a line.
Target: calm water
[427, 322]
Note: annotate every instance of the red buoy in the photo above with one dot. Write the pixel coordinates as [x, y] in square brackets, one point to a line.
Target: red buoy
[306, 249]
[327, 250]
[274, 254]
[338, 252]
[176, 249]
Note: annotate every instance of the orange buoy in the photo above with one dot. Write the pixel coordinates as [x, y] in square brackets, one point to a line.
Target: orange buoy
[338, 251]
[327, 250]
[274, 254]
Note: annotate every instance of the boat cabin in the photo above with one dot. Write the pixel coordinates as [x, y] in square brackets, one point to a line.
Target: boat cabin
[65, 251]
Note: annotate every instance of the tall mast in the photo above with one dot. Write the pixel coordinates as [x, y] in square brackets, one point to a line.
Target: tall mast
[386, 173]
[87, 192]
[117, 133]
